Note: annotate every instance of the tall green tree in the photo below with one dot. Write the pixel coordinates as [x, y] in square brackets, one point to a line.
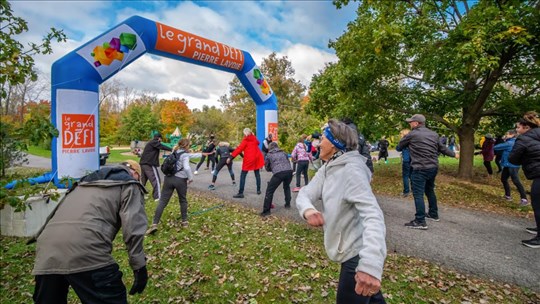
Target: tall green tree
[456, 62]
[137, 122]
[212, 120]
[292, 120]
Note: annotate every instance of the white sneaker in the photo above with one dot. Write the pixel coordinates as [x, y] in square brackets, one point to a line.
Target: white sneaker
[196, 172]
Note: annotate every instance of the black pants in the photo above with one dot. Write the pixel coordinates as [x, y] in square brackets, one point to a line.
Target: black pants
[103, 285]
[347, 283]
[487, 164]
[151, 173]
[535, 202]
[512, 173]
[284, 177]
[211, 158]
[498, 159]
[302, 168]
[173, 183]
[223, 162]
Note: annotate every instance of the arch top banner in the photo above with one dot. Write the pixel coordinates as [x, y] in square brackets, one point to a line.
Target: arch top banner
[76, 78]
[184, 44]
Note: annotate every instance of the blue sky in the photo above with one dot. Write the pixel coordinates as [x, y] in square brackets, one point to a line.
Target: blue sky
[300, 30]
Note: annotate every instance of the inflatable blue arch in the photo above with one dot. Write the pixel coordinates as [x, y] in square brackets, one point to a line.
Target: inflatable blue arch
[76, 78]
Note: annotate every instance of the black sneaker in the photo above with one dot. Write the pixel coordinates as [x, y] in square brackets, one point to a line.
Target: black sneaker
[532, 243]
[532, 230]
[287, 206]
[258, 191]
[433, 218]
[239, 195]
[211, 187]
[414, 224]
[403, 194]
[265, 214]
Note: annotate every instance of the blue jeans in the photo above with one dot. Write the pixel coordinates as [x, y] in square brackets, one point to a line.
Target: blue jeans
[423, 181]
[243, 176]
[406, 171]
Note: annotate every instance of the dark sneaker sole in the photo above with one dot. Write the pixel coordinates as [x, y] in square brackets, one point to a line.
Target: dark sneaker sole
[531, 230]
[531, 245]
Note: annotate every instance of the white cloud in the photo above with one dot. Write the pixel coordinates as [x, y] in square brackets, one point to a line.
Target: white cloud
[299, 30]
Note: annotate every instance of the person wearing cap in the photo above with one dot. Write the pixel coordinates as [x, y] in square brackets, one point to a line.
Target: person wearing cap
[75, 244]
[353, 222]
[424, 147]
[253, 160]
[150, 164]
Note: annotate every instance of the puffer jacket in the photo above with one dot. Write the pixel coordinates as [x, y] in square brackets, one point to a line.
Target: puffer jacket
[277, 161]
[78, 237]
[300, 153]
[526, 152]
[505, 148]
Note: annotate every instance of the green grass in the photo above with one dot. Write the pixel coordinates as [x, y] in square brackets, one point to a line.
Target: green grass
[230, 255]
[38, 151]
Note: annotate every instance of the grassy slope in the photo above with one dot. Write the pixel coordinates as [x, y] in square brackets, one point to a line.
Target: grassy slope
[229, 255]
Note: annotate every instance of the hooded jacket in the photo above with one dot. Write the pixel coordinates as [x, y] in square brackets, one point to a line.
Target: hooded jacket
[353, 221]
[505, 148]
[253, 157]
[150, 154]
[78, 237]
[526, 152]
[277, 161]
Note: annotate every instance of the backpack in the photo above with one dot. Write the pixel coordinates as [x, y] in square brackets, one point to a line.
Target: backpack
[169, 166]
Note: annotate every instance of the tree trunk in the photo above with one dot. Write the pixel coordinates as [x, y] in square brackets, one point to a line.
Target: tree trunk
[466, 153]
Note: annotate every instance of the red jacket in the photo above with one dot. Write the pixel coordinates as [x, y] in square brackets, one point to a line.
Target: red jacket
[253, 157]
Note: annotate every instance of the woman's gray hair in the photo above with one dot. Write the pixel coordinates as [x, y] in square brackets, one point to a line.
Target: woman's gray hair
[344, 134]
[247, 131]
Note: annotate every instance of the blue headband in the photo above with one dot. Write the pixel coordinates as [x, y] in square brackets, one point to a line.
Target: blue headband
[328, 134]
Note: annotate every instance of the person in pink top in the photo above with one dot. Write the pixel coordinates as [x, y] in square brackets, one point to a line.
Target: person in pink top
[253, 160]
[302, 157]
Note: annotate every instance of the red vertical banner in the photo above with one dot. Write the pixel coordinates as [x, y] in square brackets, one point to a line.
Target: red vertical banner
[273, 129]
[78, 131]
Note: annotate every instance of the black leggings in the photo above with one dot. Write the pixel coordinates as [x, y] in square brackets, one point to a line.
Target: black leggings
[535, 202]
[220, 165]
[487, 164]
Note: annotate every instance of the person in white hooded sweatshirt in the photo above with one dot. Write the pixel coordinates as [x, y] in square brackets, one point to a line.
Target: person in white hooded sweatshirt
[353, 222]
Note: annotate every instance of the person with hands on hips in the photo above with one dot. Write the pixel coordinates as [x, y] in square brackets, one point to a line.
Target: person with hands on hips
[353, 223]
[75, 244]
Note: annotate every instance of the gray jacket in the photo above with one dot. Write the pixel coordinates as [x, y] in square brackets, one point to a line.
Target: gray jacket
[424, 146]
[353, 220]
[277, 161]
[79, 236]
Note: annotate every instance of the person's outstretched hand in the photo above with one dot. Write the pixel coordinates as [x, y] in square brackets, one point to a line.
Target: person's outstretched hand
[141, 278]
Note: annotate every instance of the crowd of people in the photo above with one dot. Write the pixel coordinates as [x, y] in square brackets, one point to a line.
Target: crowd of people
[112, 198]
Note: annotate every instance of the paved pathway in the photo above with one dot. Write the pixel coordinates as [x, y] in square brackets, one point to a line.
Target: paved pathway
[478, 243]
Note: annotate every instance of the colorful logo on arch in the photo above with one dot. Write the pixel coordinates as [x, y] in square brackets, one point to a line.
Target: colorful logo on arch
[115, 49]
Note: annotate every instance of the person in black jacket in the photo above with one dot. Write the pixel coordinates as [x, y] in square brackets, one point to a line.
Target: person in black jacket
[383, 149]
[150, 163]
[424, 146]
[223, 152]
[526, 152]
[210, 147]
